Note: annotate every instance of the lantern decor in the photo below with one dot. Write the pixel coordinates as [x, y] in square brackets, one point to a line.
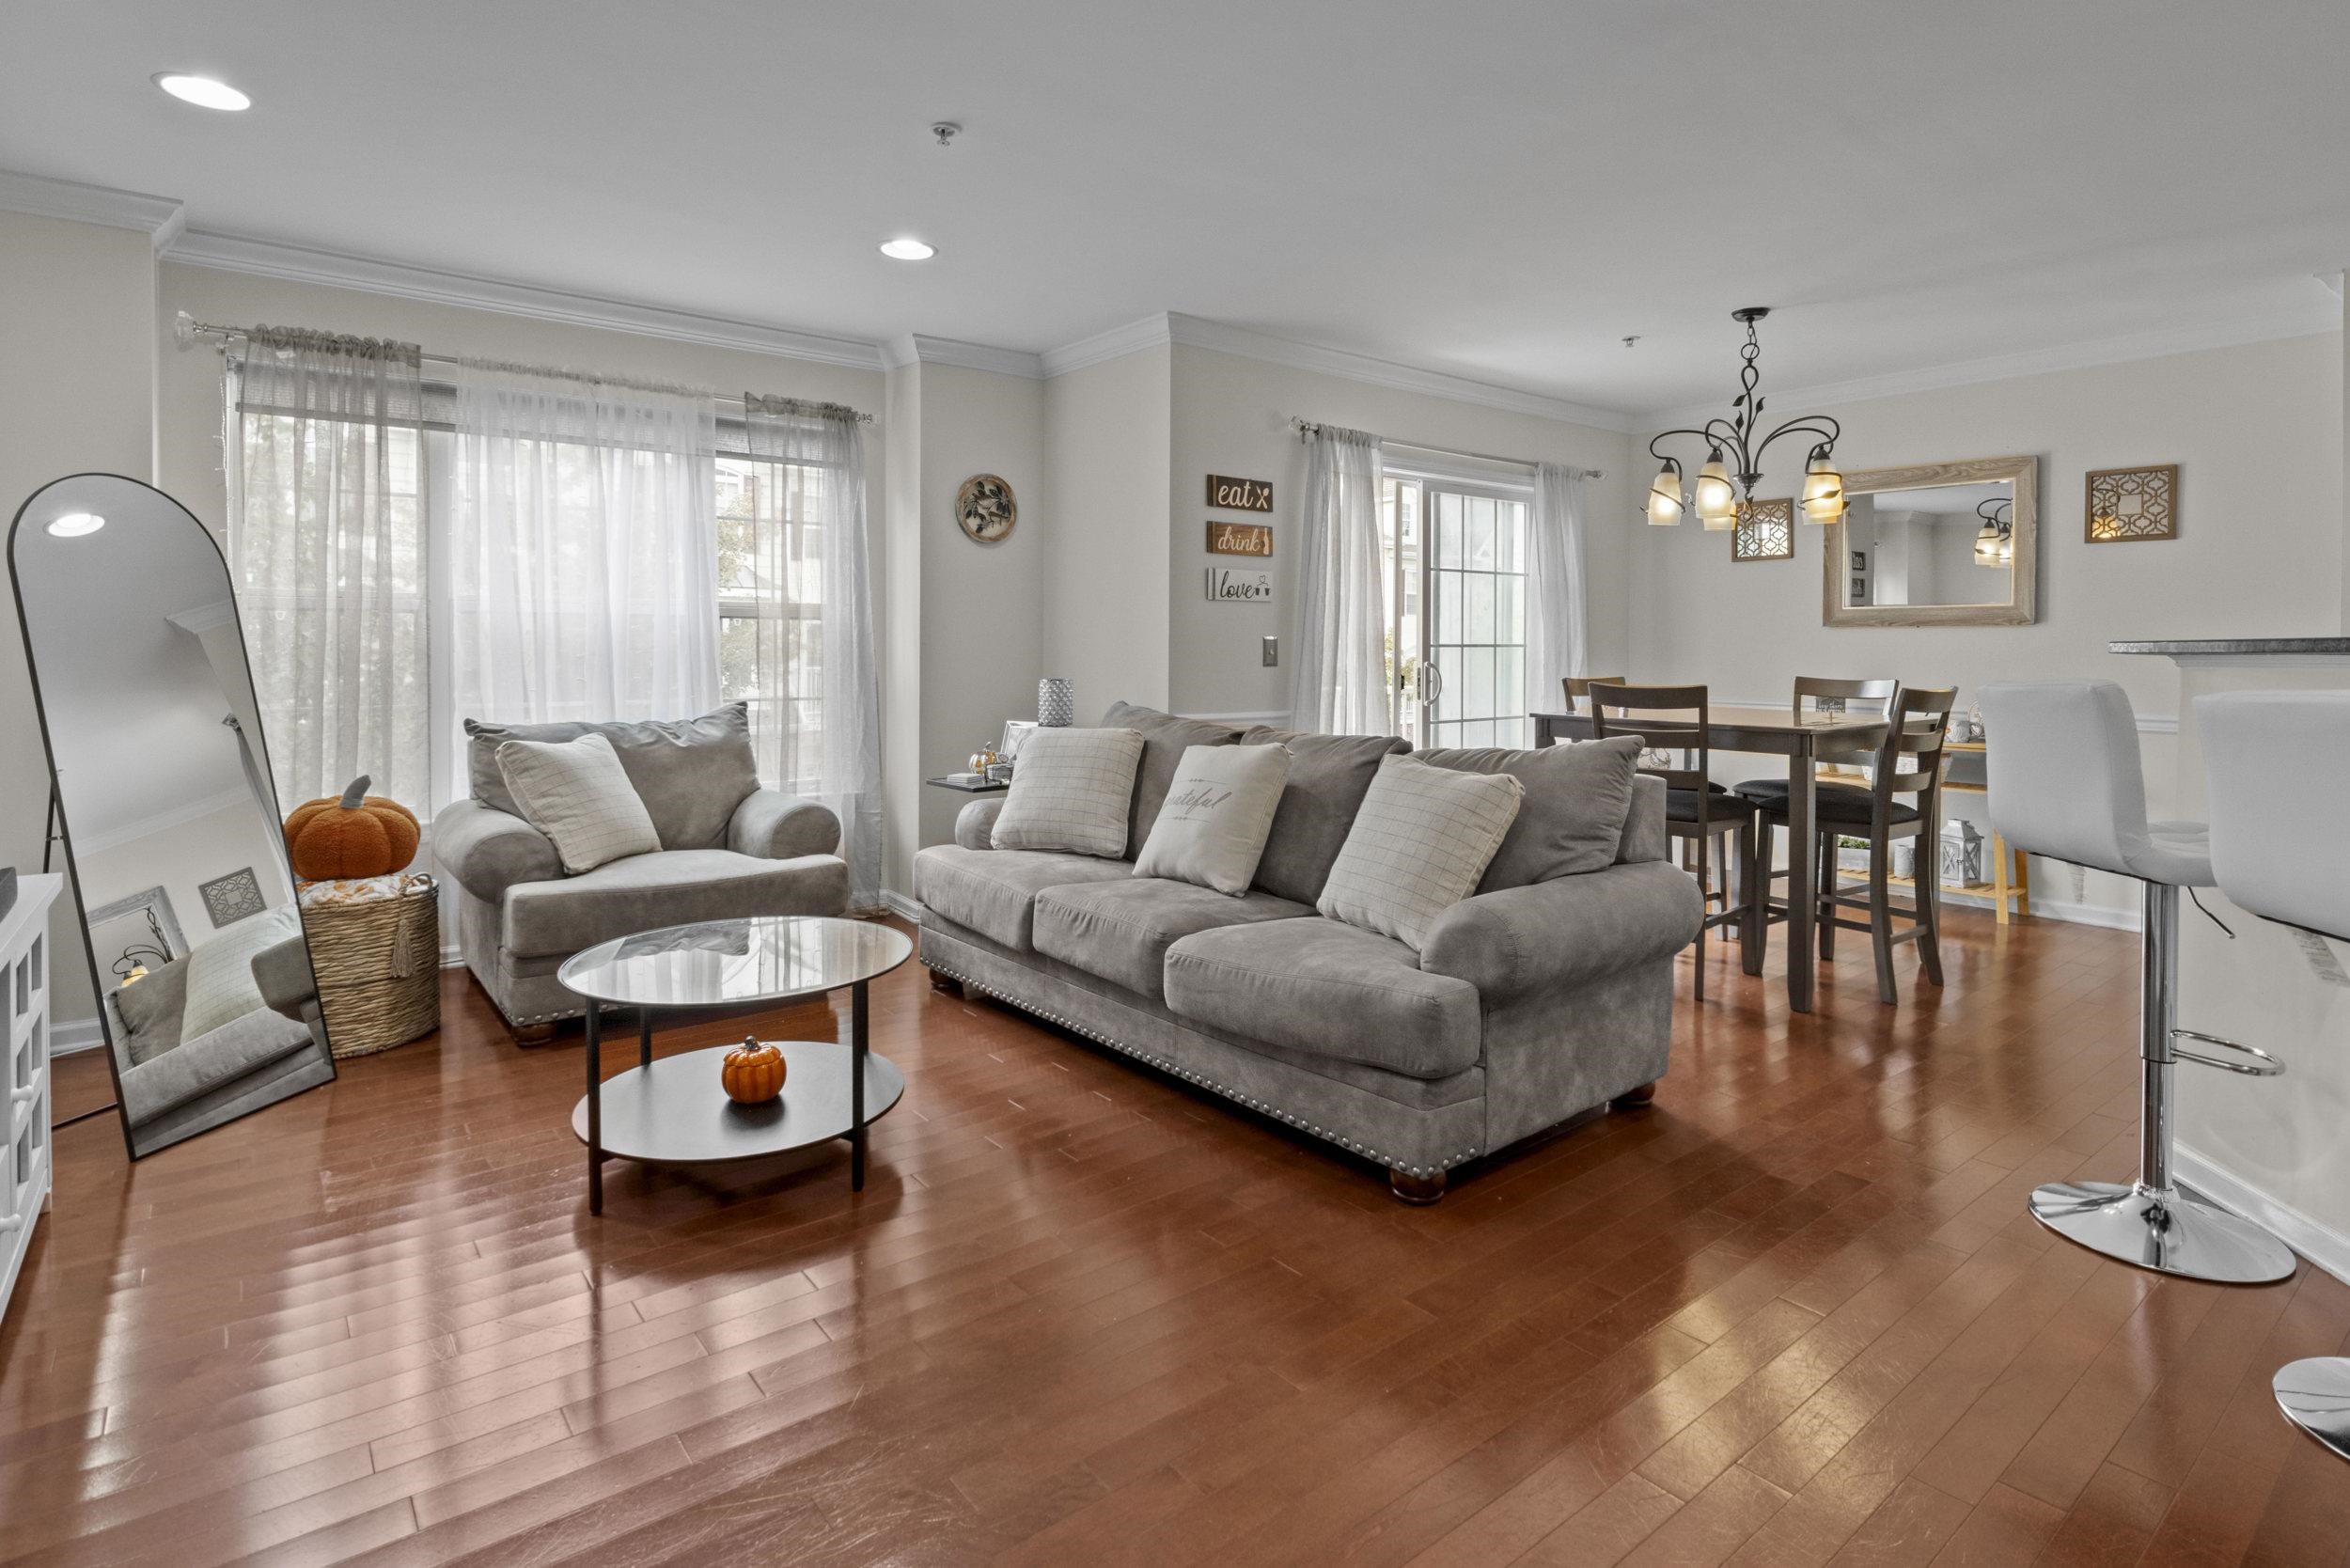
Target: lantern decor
[358, 835]
[753, 1071]
[1720, 489]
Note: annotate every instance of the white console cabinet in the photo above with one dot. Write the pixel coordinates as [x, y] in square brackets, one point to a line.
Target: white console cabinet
[24, 958]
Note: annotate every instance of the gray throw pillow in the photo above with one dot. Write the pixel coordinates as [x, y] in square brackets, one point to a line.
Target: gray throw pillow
[220, 986]
[1211, 826]
[577, 793]
[1165, 738]
[1328, 776]
[156, 997]
[1423, 837]
[690, 773]
[1072, 791]
[1577, 799]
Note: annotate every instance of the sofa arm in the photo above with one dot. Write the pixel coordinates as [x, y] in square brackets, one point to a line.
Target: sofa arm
[1557, 934]
[773, 825]
[488, 851]
[975, 824]
[282, 971]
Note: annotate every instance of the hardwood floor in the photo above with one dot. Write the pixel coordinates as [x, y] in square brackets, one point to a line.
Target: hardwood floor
[1791, 1314]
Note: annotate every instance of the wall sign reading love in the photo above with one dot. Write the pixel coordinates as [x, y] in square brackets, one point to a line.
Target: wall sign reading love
[1239, 495]
[1231, 585]
[1239, 538]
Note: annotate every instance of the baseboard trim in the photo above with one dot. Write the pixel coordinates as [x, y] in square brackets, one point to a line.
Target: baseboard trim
[74, 1034]
[2085, 913]
[901, 907]
[2328, 1249]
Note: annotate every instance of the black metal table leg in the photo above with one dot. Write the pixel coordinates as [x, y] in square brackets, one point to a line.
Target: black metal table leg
[857, 1087]
[595, 1111]
[644, 1036]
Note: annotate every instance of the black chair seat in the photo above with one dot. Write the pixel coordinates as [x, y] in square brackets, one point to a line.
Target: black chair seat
[1832, 802]
[1681, 805]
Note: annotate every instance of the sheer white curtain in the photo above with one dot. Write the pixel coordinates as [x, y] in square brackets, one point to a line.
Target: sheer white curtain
[576, 557]
[1339, 685]
[802, 557]
[327, 542]
[1558, 607]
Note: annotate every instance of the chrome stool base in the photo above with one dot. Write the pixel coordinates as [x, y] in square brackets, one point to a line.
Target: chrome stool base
[2315, 1394]
[2166, 1231]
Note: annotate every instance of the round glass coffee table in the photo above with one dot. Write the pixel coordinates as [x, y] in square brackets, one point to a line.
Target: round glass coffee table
[674, 1111]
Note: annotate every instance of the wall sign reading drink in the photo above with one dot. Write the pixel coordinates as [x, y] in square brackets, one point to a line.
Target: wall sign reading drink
[1232, 584]
[1239, 495]
[1239, 538]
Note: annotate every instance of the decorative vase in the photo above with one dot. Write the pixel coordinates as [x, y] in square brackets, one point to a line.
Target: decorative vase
[753, 1072]
[1056, 703]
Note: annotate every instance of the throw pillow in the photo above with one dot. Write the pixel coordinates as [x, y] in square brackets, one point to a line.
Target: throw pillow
[1071, 791]
[1165, 738]
[1211, 829]
[691, 774]
[577, 793]
[158, 997]
[1423, 837]
[1328, 775]
[1577, 798]
[220, 986]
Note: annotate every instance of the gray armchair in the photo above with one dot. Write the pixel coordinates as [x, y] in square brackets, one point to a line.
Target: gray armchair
[729, 848]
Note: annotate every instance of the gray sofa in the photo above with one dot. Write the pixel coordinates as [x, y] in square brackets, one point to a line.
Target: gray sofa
[729, 848]
[1527, 1006]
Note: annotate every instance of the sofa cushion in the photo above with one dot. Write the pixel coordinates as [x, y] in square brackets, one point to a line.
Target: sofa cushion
[993, 891]
[220, 971]
[1072, 791]
[1120, 931]
[577, 793]
[1419, 846]
[201, 1063]
[1213, 824]
[1165, 738]
[668, 888]
[1328, 990]
[691, 774]
[1571, 819]
[1328, 776]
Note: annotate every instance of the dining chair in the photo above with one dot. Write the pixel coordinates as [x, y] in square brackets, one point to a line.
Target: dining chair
[1903, 800]
[1577, 687]
[1816, 697]
[1677, 719]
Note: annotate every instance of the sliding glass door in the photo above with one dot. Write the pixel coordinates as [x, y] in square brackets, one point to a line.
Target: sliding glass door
[1456, 611]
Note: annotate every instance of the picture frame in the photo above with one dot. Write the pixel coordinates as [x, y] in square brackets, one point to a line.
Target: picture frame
[1764, 530]
[2131, 506]
[1016, 732]
[232, 898]
[1860, 590]
[1860, 560]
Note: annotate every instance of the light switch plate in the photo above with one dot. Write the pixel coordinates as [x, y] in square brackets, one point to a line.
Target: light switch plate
[1271, 651]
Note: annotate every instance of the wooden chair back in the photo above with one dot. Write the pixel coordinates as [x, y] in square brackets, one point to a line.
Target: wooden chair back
[1577, 687]
[1820, 690]
[1910, 760]
[1667, 719]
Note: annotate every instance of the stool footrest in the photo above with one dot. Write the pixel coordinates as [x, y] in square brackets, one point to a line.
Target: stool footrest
[2261, 1064]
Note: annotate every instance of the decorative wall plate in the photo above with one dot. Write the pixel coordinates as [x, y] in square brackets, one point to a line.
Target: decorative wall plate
[1765, 531]
[986, 507]
[2129, 504]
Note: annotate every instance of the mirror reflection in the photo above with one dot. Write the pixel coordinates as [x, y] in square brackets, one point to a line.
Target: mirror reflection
[1942, 544]
[171, 827]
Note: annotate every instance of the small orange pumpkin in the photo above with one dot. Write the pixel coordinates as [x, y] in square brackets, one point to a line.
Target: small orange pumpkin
[356, 836]
[753, 1072]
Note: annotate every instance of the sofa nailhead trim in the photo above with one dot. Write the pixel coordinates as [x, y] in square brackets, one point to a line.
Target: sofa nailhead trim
[1166, 1065]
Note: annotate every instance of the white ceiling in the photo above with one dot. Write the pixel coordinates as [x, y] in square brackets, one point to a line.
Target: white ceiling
[1500, 191]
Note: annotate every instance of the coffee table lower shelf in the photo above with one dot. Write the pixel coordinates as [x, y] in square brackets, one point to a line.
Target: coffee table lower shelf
[675, 1112]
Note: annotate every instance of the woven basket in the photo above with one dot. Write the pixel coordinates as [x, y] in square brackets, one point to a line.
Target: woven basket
[379, 969]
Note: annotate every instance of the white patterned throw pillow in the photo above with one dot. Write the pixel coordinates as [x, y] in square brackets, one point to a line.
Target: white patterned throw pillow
[1218, 812]
[577, 793]
[1072, 789]
[1419, 844]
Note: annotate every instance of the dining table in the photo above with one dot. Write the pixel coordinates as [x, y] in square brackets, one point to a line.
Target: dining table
[1806, 740]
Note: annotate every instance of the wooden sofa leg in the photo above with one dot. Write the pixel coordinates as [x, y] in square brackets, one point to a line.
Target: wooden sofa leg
[945, 984]
[1418, 1191]
[533, 1034]
[1632, 1098]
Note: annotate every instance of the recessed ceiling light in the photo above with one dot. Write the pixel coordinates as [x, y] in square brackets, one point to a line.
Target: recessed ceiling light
[908, 250]
[202, 92]
[73, 525]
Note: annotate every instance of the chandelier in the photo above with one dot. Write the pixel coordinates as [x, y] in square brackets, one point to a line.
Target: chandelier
[1719, 491]
[1994, 542]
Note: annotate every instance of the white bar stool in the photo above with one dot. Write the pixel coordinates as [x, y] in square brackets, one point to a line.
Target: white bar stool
[2065, 781]
[2280, 860]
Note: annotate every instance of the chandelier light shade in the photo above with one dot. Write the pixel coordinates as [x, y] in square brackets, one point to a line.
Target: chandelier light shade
[1721, 489]
[1994, 541]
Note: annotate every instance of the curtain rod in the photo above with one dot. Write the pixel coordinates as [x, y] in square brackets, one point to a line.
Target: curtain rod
[187, 329]
[1307, 427]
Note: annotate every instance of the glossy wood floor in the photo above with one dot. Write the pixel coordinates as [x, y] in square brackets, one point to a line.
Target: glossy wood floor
[1792, 1314]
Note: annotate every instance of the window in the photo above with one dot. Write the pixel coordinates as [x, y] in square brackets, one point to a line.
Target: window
[1456, 608]
[771, 611]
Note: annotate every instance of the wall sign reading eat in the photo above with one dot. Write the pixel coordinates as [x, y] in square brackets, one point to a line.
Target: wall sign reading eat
[1231, 585]
[1239, 538]
[1239, 495]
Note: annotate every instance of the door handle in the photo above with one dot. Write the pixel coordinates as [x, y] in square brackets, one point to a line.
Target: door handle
[1431, 682]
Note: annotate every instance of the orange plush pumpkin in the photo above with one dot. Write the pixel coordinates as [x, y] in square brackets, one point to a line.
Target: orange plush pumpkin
[359, 835]
[753, 1072]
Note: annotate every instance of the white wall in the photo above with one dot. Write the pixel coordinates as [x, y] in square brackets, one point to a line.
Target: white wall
[1231, 415]
[180, 858]
[1107, 455]
[898, 575]
[77, 379]
[2257, 433]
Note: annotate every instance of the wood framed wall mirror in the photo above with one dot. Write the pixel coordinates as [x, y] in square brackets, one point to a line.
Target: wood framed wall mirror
[1937, 544]
[164, 807]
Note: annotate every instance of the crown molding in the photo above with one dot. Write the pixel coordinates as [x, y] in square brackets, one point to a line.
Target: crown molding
[301, 264]
[141, 827]
[2301, 319]
[1117, 343]
[915, 348]
[158, 216]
